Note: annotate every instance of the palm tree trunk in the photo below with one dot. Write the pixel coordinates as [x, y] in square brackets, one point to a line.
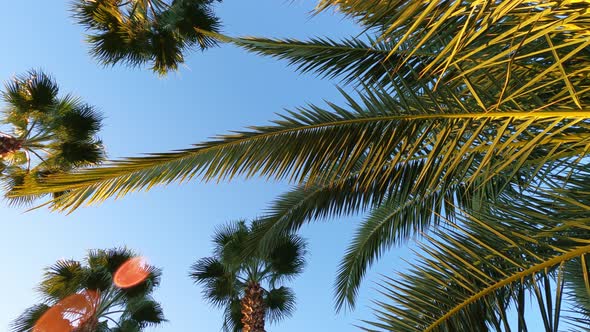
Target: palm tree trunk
[253, 310]
[9, 144]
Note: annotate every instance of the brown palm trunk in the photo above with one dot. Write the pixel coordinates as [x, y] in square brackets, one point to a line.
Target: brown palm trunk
[253, 310]
[8, 144]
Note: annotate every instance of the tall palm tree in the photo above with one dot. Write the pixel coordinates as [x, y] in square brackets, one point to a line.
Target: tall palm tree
[248, 288]
[115, 309]
[45, 133]
[459, 105]
[137, 32]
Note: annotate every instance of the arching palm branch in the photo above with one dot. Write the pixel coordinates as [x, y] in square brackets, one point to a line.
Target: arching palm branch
[470, 275]
[115, 309]
[458, 102]
[137, 32]
[43, 133]
[249, 288]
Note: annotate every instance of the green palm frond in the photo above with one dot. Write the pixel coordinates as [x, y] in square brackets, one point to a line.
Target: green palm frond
[220, 287]
[145, 311]
[64, 278]
[26, 321]
[480, 266]
[577, 273]
[365, 62]
[49, 134]
[280, 303]
[232, 317]
[436, 131]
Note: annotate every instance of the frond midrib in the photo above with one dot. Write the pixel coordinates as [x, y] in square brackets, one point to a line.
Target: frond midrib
[130, 165]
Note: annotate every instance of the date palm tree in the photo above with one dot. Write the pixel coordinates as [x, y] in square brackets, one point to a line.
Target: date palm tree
[137, 32]
[45, 133]
[115, 309]
[459, 105]
[248, 288]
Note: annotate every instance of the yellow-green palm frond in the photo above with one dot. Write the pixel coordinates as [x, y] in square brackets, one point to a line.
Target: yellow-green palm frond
[552, 35]
[469, 275]
[438, 133]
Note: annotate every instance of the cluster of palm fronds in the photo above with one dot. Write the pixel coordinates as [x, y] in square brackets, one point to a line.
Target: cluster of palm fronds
[146, 31]
[228, 275]
[473, 116]
[114, 309]
[45, 134]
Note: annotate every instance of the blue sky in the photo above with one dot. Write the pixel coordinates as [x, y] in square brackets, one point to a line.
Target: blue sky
[220, 90]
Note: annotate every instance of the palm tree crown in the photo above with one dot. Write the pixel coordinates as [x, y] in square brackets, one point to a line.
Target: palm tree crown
[247, 287]
[45, 134]
[146, 31]
[115, 309]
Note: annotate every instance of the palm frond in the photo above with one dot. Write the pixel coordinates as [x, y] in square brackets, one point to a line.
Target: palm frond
[26, 321]
[439, 129]
[364, 61]
[287, 259]
[280, 303]
[154, 32]
[577, 273]
[63, 278]
[219, 284]
[477, 267]
[145, 311]
[232, 317]
[548, 39]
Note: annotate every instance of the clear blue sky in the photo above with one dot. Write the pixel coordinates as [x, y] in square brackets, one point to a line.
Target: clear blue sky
[217, 91]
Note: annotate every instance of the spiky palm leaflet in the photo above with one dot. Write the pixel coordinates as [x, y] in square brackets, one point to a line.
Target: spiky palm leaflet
[470, 275]
[249, 288]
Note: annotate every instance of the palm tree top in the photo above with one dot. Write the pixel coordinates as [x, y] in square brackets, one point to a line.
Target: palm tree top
[234, 272]
[139, 32]
[43, 133]
[114, 309]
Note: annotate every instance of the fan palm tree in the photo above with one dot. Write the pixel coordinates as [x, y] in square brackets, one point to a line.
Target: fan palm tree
[44, 134]
[247, 288]
[458, 104]
[137, 32]
[114, 309]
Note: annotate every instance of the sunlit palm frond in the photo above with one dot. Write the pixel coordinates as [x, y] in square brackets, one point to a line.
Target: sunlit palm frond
[280, 303]
[362, 61]
[549, 39]
[439, 128]
[475, 269]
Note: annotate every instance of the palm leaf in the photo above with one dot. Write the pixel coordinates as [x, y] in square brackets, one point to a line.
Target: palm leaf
[474, 269]
[472, 32]
[316, 145]
[365, 62]
[280, 303]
